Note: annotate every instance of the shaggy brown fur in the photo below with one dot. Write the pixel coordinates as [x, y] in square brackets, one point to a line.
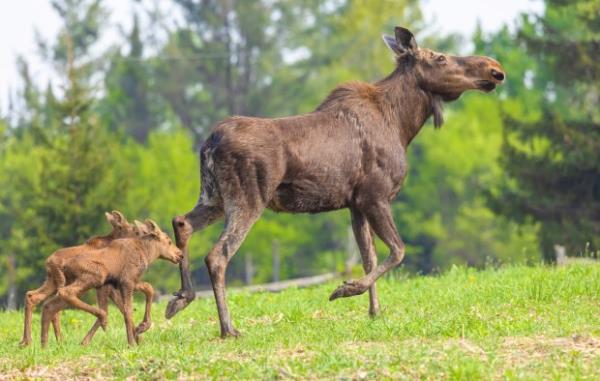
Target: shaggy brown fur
[121, 263]
[349, 153]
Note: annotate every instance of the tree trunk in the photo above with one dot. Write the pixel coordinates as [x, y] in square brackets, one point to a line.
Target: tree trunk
[11, 301]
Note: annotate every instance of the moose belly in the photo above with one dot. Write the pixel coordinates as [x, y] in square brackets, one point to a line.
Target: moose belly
[305, 196]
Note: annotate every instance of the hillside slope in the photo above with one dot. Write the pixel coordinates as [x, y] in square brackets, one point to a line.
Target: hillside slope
[514, 323]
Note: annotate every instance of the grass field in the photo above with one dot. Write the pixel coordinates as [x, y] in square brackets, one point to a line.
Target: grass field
[512, 323]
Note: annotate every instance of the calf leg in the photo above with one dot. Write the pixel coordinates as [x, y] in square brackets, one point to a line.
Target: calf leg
[56, 327]
[379, 216]
[127, 295]
[102, 295]
[236, 229]
[148, 290]
[184, 226]
[50, 309]
[71, 292]
[32, 298]
[364, 240]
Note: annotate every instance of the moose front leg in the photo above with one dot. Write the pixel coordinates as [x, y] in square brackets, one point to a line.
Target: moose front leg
[183, 227]
[364, 240]
[379, 216]
[147, 289]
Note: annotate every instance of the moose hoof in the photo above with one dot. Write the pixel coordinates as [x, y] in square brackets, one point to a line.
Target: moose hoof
[143, 327]
[231, 332]
[349, 288]
[175, 305]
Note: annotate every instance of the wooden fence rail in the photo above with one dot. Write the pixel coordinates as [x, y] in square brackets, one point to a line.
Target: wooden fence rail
[270, 287]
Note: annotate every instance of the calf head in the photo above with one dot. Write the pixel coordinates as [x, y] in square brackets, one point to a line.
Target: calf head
[443, 76]
[164, 245]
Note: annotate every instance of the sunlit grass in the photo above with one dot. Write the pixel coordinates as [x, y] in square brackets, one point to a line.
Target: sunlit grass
[515, 323]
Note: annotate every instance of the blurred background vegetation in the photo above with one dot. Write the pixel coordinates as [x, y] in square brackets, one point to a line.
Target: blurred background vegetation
[510, 175]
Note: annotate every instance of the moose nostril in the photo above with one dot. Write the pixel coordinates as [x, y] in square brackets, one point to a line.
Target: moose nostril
[497, 75]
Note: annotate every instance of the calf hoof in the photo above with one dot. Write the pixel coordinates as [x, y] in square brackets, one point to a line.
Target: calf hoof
[143, 327]
[177, 304]
[349, 288]
[86, 341]
[231, 332]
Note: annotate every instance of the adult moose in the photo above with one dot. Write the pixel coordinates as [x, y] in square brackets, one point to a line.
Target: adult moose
[349, 153]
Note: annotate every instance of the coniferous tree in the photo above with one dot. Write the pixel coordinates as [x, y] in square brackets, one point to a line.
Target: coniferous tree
[552, 159]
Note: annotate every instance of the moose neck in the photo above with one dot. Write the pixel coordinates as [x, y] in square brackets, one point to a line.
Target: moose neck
[404, 104]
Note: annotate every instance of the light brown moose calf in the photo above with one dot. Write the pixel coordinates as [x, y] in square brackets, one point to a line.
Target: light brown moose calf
[55, 276]
[121, 264]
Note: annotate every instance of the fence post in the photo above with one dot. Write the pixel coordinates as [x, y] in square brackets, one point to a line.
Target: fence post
[276, 261]
[248, 268]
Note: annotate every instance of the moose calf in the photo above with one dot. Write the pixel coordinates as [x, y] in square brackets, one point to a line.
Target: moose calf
[121, 263]
[55, 278]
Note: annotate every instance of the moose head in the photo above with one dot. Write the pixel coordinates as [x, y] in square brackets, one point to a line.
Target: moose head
[443, 76]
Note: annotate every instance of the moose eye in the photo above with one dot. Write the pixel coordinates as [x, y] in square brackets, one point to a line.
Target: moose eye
[441, 59]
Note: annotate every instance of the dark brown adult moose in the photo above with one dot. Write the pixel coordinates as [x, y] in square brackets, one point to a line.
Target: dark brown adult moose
[349, 153]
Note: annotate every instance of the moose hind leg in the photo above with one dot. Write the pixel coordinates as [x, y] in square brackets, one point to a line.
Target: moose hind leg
[56, 327]
[379, 216]
[71, 293]
[32, 298]
[237, 226]
[184, 226]
[364, 240]
[50, 309]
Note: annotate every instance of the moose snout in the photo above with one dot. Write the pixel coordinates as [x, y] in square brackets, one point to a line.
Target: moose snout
[179, 256]
[497, 75]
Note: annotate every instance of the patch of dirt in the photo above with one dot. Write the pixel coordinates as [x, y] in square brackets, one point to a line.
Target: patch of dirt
[524, 350]
[265, 320]
[70, 370]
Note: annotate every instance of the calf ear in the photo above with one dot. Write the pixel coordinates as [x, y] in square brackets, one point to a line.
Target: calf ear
[405, 40]
[141, 228]
[152, 227]
[119, 217]
[391, 43]
[110, 218]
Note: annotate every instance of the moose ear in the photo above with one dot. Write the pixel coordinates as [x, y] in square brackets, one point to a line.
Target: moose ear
[391, 43]
[405, 40]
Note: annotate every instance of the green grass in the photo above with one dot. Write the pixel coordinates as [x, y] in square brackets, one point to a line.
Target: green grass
[512, 323]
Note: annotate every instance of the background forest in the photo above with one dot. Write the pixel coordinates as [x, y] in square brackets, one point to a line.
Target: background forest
[510, 175]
